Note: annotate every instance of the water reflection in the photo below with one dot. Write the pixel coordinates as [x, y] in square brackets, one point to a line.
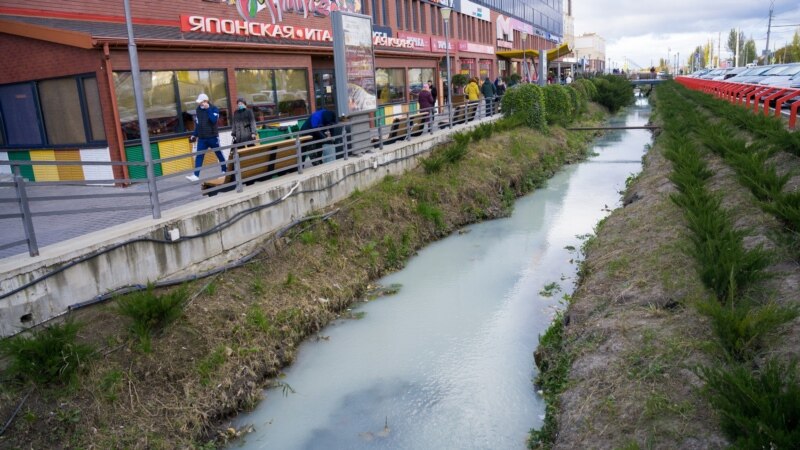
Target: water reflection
[447, 361]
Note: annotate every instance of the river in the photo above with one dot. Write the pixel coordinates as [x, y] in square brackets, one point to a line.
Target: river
[446, 363]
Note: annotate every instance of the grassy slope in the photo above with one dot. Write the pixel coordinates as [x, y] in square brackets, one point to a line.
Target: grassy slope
[241, 327]
[633, 332]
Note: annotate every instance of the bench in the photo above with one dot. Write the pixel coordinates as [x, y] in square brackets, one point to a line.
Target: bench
[459, 116]
[257, 163]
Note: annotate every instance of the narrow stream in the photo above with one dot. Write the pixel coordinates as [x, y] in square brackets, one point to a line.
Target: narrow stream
[447, 362]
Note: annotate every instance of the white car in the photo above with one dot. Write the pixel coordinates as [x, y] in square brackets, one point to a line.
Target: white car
[784, 78]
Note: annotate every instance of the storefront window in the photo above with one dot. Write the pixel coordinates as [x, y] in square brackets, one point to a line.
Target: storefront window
[485, 69]
[56, 112]
[274, 93]
[192, 83]
[165, 113]
[291, 86]
[468, 67]
[391, 85]
[61, 110]
[20, 115]
[416, 78]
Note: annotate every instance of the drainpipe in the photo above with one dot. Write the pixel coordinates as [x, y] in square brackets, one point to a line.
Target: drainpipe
[115, 113]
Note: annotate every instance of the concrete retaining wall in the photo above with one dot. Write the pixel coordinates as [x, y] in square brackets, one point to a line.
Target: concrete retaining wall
[141, 261]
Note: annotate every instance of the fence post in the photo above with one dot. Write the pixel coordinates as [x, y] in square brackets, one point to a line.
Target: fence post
[24, 208]
[299, 148]
[344, 143]
[408, 125]
[237, 169]
[380, 134]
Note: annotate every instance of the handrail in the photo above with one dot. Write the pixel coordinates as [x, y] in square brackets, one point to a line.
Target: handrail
[342, 140]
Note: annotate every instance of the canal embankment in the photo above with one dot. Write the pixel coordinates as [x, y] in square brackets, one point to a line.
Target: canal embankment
[238, 328]
[683, 328]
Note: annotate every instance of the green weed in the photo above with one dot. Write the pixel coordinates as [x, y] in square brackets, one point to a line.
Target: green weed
[208, 365]
[48, 356]
[150, 312]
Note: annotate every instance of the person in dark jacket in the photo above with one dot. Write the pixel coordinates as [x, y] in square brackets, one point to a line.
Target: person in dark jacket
[206, 133]
[426, 102]
[434, 92]
[321, 118]
[489, 92]
[244, 123]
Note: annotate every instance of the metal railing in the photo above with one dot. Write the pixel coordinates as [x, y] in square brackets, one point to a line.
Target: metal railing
[247, 163]
[780, 101]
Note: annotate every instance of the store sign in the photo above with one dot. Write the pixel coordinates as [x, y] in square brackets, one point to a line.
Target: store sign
[505, 44]
[252, 9]
[474, 10]
[383, 38]
[440, 45]
[420, 41]
[442, 3]
[504, 32]
[464, 46]
[213, 25]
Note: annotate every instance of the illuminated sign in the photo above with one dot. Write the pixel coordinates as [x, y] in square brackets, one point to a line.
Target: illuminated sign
[465, 46]
[250, 9]
[505, 44]
[200, 24]
[474, 10]
[442, 3]
[440, 45]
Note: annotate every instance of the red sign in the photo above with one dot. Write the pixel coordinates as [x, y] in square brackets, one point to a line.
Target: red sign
[440, 45]
[421, 41]
[465, 46]
[212, 25]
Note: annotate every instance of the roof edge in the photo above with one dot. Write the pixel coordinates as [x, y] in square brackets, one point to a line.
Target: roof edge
[63, 37]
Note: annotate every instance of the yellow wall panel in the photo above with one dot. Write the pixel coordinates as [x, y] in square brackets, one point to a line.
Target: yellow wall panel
[176, 147]
[44, 173]
[69, 173]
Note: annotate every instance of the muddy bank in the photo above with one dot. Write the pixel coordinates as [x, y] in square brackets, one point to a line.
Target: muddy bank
[623, 361]
[241, 327]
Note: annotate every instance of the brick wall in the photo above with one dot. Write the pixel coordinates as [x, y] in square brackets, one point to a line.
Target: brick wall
[50, 61]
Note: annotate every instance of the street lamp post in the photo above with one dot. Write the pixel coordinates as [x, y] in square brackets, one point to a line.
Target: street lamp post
[446, 18]
[525, 71]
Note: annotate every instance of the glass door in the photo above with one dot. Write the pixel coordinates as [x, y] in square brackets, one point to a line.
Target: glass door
[325, 90]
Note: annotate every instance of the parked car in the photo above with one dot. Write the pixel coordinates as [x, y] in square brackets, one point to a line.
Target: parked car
[783, 78]
[731, 72]
[749, 75]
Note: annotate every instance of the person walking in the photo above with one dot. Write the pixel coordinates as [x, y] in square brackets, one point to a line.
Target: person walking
[473, 93]
[489, 92]
[426, 102]
[206, 133]
[244, 123]
[434, 92]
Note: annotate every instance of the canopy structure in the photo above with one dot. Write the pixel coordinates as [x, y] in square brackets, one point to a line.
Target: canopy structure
[552, 54]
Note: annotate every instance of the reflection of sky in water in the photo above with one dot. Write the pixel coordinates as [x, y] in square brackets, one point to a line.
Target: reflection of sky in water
[447, 362]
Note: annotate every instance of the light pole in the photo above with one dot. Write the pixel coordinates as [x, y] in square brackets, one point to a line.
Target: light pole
[446, 18]
[525, 71]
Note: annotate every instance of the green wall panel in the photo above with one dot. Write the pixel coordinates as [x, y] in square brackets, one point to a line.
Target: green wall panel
[135, 153]
[24, 155]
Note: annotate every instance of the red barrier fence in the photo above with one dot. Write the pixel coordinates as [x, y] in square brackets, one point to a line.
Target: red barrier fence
[769, 98]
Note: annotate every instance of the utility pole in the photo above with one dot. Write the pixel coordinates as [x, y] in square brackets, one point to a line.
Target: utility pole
[769, 29]
[719, 48]
[736, 54]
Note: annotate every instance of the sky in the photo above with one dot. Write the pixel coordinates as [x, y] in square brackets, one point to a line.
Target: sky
[642, 31]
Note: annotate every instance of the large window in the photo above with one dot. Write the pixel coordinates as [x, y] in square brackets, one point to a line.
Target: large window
[391, 85]
[56, 112]
[416, 78]
[169, 100]
[274, 93]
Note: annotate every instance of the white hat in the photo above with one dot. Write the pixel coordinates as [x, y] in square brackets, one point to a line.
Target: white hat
[202, 98]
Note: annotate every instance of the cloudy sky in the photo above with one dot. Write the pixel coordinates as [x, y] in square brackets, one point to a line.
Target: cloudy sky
[642, 31]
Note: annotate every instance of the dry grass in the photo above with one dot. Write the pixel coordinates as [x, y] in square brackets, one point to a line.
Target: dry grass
[240, 328]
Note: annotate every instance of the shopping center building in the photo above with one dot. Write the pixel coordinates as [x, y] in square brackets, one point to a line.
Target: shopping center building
[66, 91]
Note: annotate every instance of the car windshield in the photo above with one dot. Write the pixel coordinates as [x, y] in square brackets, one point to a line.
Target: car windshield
[774, 71]
[793, 69]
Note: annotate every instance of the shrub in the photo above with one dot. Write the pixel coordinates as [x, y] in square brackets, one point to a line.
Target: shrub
[757, 410]
[558, 104]
[150, 312]
[50, 355]
[613, 92]
[742, 326]
[578, 101]
[587, 87]
[525, 102]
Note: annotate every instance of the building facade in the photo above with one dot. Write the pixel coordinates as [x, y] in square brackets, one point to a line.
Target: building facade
[590, 49]
[67, 93]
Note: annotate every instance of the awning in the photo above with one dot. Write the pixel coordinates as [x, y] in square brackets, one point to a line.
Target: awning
[554, 53]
